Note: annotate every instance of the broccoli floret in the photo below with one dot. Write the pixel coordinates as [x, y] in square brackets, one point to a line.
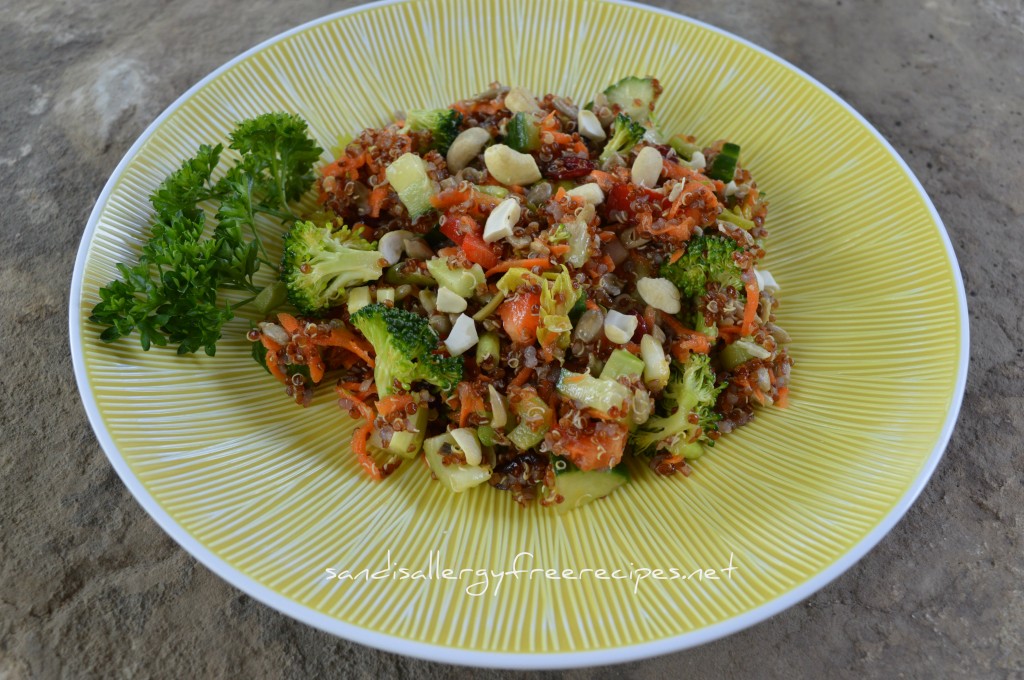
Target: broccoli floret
[626, 132]
[404, 344]
[691, 391]
[320, 263]
[442, 124]
[707, 259]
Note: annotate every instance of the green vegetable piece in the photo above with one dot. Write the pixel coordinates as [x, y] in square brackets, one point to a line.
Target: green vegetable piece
[523, 132]
[442, 124]
[491, 190]
[626, 132]
[404, 344]
[597, 393]
[457, 478]
[724, 165]
[407, 443]
[734, 216]
[524, 437]
[742, 351]
[271, 297]
[683, 147]
[707, 258]
[577, 488]
[319, 265]
[622, 363]
[690, 392]
[488, 349]
[487, 435]
[403, 273]
[408, 177]
[462, 282]
[636, 96]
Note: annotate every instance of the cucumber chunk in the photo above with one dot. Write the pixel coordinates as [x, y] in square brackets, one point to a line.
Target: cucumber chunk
[578, 488]
[635, 95]
[523, 132]
[457, 478]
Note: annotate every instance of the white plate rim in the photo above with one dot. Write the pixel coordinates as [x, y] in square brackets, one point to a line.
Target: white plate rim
[453, 655]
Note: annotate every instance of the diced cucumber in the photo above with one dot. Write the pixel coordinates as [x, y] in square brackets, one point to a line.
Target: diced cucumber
[523, 132]
[458, 478]
[462, 282]
[408, 176]
[635, 96]
[596, 393]
[578, 488]
[622, 363]
[407, 443]
[724, 165]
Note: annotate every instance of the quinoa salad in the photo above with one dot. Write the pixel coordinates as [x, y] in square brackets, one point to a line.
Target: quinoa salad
[514, 291]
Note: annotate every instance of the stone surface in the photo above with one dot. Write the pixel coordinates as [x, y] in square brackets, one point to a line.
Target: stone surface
[91, 587]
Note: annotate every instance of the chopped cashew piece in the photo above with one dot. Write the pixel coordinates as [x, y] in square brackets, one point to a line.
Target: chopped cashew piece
[462, 337]
[502, 220]
[619, 327]
[510, 167]
[590, 192]
[466, 147]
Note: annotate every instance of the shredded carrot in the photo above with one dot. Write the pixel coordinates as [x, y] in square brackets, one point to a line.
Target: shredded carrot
[364, 409]
[346, 339]
[269, 344]
[316, 365]
[393, 403]
[753, 299]
[359, 440]
[674, 257]
[469, 403]
[376, 199]
[560, 249]
[782, 401]
[275, 368]
[730, 333]
[521, 378]
[289, 322]
[528, 263]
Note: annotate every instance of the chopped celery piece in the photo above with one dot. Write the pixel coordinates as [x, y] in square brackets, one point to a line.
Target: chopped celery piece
[462, 282]
[622, 363]
[408, 176]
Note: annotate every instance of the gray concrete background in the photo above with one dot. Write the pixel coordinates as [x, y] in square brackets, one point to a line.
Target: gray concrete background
[91, 587]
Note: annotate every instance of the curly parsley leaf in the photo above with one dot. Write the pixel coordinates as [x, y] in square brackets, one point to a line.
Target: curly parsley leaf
[171, 296]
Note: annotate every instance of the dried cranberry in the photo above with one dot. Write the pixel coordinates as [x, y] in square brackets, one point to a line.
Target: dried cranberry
[569, 167]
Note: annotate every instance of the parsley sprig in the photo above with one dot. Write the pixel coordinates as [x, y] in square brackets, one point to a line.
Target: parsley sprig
[171, 296]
